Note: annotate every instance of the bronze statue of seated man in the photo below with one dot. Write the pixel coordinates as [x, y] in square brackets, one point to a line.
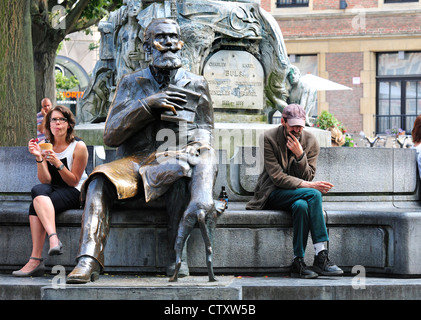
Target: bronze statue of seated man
[161, 120]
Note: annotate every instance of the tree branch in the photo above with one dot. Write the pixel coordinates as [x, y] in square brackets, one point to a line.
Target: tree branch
[74, 15]
[64, 4]
[84, 23]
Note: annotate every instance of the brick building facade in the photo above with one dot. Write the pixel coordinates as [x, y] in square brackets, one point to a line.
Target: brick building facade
[349, 42]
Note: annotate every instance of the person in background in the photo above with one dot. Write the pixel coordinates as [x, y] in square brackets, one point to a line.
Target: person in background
[337, 137]
[290, 157]
[416, 140]
[61, 172]
[46, 106]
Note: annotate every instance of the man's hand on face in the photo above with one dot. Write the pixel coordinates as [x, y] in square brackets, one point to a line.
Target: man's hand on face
[294, 145]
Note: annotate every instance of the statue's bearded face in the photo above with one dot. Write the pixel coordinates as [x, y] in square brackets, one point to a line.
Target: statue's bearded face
[166, 45]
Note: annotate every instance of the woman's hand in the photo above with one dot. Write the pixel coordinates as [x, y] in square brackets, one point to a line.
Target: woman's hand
[51, 157]
[34, 149]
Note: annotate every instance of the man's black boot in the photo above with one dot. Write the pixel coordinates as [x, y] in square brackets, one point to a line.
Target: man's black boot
[300, 270]
[323, 266]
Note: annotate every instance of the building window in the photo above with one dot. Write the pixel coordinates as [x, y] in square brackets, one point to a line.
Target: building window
[399, 1]
[291, 3]
[398, 91]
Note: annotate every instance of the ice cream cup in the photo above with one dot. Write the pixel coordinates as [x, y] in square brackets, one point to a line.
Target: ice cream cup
[45, 146]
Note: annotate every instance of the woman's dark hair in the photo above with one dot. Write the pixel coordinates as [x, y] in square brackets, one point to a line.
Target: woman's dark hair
[67, 113]
[416, 131]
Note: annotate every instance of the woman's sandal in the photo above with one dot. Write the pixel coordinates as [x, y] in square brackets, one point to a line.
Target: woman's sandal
[37, 272]
[58, 249]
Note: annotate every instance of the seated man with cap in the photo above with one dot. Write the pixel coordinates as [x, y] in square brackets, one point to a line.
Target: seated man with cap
[290, 158]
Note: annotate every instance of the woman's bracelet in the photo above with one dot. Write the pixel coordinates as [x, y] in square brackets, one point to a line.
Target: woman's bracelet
[39, 161]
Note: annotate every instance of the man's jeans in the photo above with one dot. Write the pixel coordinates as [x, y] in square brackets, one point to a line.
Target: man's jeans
[307, 215]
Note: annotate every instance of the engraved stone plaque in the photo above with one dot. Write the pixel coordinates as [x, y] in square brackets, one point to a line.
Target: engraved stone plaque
[236, 80]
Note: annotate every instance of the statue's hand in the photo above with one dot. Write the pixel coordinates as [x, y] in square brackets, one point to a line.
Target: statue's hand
[166, 100]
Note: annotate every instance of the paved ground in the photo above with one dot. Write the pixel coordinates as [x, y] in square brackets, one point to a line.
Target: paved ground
[133, 287]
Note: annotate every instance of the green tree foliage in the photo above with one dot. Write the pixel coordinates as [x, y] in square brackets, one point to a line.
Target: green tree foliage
[64, 83]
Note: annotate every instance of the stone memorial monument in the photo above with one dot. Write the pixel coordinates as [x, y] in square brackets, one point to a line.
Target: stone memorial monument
[161, 65]
[236, 45]
[236, 80]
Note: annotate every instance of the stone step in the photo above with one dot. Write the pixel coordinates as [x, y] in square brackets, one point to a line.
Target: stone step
[150, 287]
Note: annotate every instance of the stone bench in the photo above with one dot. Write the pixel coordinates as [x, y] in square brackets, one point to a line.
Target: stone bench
[373, 215]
